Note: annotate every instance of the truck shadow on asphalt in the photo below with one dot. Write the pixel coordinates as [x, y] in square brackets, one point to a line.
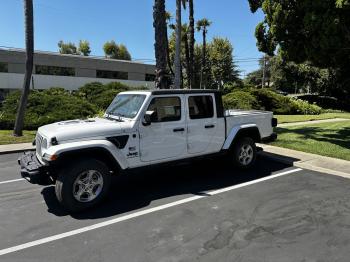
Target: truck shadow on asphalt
[138, 189]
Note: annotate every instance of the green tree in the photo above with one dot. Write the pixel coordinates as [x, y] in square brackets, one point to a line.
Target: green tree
[84, 48]
[316, 31]
[67, 48]
[115, 51]
[202, 25]
[161, 43]
[222, 67]
[29, 40]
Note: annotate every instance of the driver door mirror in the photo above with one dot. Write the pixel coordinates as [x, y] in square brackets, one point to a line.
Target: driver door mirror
[147, 118]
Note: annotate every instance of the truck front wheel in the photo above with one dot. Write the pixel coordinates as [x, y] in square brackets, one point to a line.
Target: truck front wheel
[82, 185]
[244, 153]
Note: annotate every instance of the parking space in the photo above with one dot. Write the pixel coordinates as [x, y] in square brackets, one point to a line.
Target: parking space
[203, 211]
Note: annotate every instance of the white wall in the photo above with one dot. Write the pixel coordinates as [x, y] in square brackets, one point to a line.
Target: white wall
[15, 81]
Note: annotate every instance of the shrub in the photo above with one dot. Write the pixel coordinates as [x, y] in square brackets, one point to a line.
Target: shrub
[240, 100]
[45, 107]
[101, 95]
[301, 107]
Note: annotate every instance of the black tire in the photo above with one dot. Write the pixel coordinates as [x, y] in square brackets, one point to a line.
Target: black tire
[65, 184]
[246, 143]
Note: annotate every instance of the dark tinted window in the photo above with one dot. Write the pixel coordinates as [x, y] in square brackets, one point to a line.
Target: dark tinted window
[3, 67]
[112, 74]
[165, 109]
[200, 107]
[54, 70]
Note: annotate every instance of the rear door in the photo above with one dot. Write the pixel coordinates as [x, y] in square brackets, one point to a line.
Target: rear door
[201, 123]
[166, 137]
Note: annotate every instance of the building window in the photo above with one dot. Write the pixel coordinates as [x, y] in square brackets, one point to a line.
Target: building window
[112, 74]
[200, 107]
[4, 67]
[150, 77]
[54, 70]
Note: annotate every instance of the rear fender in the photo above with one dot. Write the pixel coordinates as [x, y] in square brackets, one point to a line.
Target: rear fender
[236, 130]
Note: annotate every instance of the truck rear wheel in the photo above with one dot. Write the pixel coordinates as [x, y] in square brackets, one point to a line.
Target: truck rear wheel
[82, 185]
[244, 153]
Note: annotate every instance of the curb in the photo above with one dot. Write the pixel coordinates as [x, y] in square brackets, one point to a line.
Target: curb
[302, 164]
[13, 151]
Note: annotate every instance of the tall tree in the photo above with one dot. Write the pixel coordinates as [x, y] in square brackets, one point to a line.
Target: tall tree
[67, 48]
[191, 42]
[222, 67]
[114, 51]
[168, 20]
[308, 30]
[29, 39]
[84, 47]
[202, 25]
[177, 62]
[160, 45]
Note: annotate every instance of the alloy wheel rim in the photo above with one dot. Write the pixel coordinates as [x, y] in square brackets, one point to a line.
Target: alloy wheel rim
[88, 186]
[246, 154]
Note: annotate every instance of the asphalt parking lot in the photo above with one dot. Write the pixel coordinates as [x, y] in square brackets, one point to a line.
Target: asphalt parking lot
[204, 211]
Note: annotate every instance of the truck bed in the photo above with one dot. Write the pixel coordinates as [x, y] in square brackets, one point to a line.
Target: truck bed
[261, 119]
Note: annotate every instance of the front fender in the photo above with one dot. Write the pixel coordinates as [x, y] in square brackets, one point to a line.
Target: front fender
[234, 131]
[74, 146]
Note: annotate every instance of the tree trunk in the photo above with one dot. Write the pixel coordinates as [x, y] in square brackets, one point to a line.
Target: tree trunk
[29, 39]
[160, 46]
[177, 61]
[191, 43]
[188, 65]
[203, 81]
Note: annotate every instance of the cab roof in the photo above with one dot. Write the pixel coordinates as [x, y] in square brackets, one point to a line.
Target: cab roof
[183, 91]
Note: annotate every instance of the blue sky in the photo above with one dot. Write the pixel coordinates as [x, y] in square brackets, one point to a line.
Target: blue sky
[128, 22]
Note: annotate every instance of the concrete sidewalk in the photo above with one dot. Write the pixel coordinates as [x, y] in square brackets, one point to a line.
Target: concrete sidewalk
[314, 162]
[15, 148]
[312, 122]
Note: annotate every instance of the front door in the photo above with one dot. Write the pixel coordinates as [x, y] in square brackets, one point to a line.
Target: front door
[202, 123]
[166, 136]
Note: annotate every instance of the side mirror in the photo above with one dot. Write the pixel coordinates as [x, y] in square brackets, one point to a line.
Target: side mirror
[147, 118]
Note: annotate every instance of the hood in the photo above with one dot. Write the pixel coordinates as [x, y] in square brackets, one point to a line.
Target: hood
[84, 129]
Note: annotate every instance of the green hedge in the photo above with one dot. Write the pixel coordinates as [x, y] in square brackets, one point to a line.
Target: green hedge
[265, 99]
[45, 107]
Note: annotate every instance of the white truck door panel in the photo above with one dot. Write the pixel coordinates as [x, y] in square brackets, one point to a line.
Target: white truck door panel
[201, 123]
[166, 136]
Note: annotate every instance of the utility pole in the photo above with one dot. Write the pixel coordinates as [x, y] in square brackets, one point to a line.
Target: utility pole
[264, 73]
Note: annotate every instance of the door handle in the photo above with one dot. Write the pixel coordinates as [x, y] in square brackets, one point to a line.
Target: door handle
[209, 126]
[179, 129]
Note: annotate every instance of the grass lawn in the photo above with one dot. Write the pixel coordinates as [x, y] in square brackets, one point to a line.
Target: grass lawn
[6, 137]
[327, 139]
[302, 118]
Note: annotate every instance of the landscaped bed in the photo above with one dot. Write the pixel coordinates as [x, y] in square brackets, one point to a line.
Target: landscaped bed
[327, 139]
[6, 137]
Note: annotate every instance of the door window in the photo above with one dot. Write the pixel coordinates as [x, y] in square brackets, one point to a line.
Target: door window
[166, 109]
[200, 107]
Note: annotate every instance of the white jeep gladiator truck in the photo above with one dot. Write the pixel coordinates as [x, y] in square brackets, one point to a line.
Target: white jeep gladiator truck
[141, 128]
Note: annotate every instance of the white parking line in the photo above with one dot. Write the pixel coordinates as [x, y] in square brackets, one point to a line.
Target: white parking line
[11, 181]
[136, 214]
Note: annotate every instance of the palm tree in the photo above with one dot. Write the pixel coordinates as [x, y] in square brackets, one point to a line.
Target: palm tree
[177, 62]
[187, 53]
[168, 20]
[160, 46]
[29, 39]
[191, 42]
[202, 25]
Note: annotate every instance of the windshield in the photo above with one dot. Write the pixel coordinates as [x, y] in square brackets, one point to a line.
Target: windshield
[127, 105]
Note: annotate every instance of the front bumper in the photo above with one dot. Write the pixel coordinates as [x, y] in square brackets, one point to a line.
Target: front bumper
[31, 168]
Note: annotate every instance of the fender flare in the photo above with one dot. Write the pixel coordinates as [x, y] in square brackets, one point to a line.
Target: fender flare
[84, 146]
[235, 131]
